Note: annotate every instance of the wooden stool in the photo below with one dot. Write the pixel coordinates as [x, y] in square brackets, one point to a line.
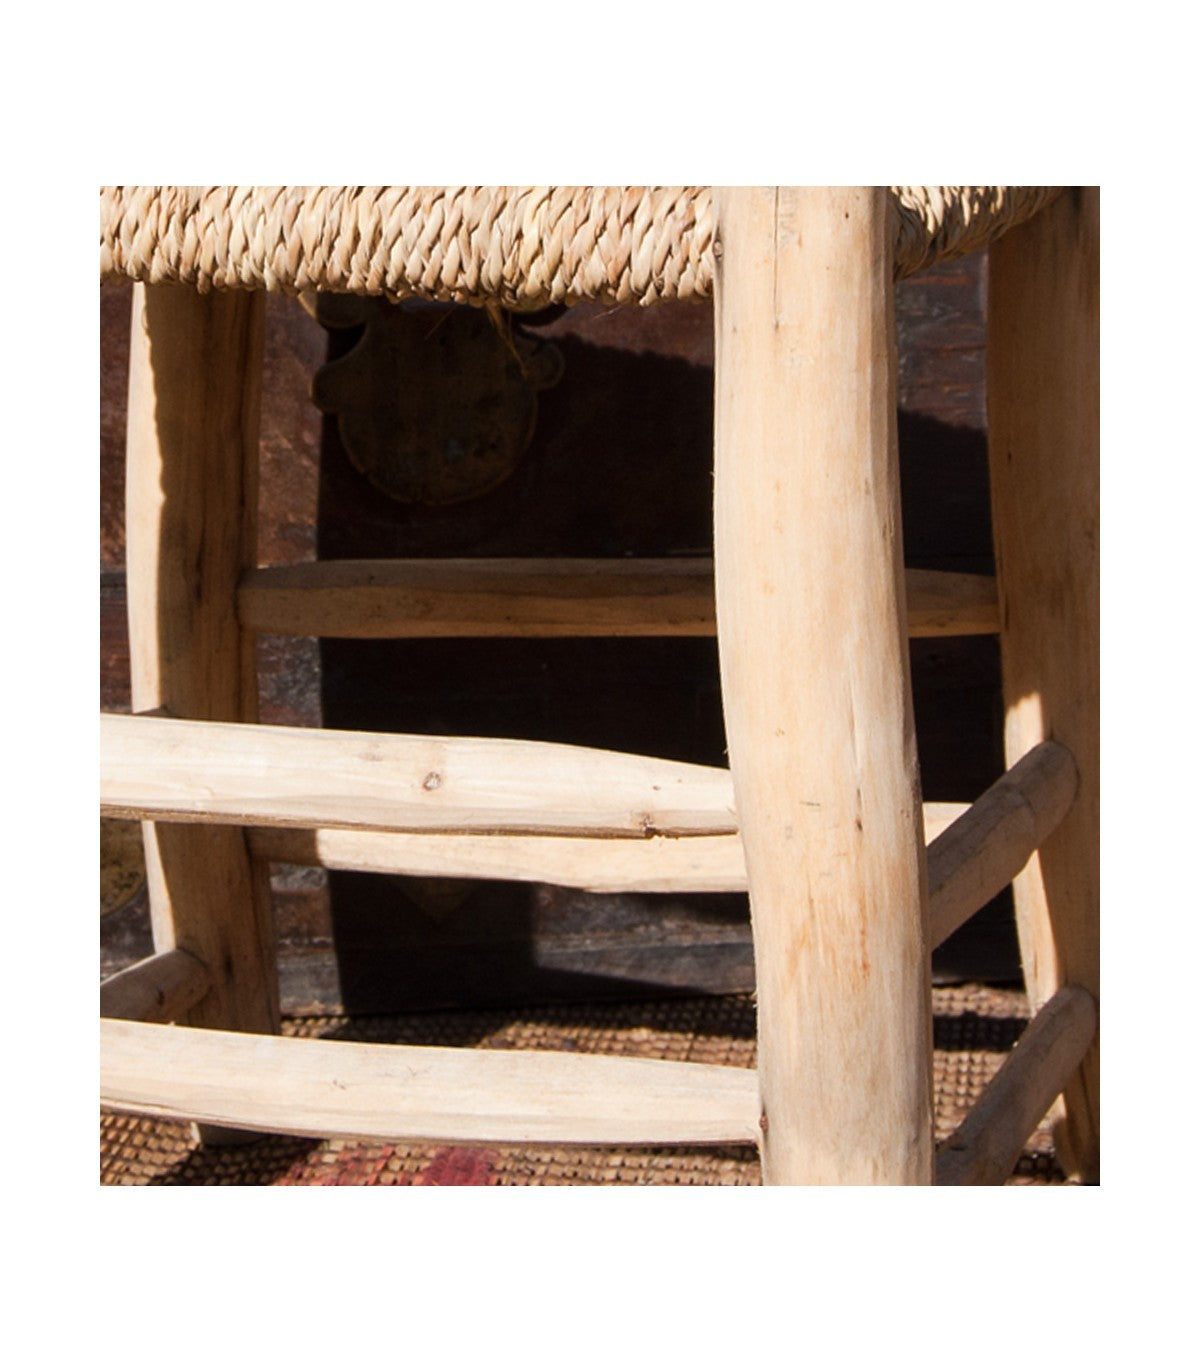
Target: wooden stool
[820, 813]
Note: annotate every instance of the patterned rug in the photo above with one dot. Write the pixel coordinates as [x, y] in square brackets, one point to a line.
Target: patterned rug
[974, 1027]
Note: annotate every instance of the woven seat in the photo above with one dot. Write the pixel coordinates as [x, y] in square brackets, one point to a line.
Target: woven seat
[521, 247]
[820, 815]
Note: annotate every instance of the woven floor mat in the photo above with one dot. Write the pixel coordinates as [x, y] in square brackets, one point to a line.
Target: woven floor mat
[974, 1027]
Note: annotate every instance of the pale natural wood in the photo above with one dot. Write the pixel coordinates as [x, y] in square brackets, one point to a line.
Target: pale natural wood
[945, 604]
[703, 863]
[984, 1149]
[191, 479]
[160, 988]
[814, 665]
[1044, 439]
[550, 597]
[977, 856]
[254, 774]
[380, 1091]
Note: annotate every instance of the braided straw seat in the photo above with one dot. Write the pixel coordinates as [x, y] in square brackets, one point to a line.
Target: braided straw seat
[523, 247]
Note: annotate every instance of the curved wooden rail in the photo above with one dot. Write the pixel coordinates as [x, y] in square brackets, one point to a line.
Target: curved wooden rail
[984, 1149]
[382, 1091]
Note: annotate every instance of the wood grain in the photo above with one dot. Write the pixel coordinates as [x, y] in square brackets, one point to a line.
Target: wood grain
[814, 669]
[381, 1091]
[191, 478]
[544, 598]
[984, 1149]
[981, 852]
[1044, 441]
[696, 863]
[255, 774]
[159, 989]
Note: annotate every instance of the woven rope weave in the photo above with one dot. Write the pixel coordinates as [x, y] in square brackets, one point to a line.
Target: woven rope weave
[523, 247]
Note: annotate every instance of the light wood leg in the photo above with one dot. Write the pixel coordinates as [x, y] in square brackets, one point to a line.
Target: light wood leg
[814, 668]
[194, 378]
[1044, 439]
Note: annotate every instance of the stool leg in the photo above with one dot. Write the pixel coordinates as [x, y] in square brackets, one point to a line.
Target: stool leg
[814, 668]
[191, 480]
[1044, 438]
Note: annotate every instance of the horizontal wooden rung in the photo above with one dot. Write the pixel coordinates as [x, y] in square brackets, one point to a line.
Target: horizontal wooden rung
[329, 1089]
[545, 598]
[945, 604]
[693, 863]
[189, 770]
[690, 863]
[980, 853]
[159, 989]
[984, 1149]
